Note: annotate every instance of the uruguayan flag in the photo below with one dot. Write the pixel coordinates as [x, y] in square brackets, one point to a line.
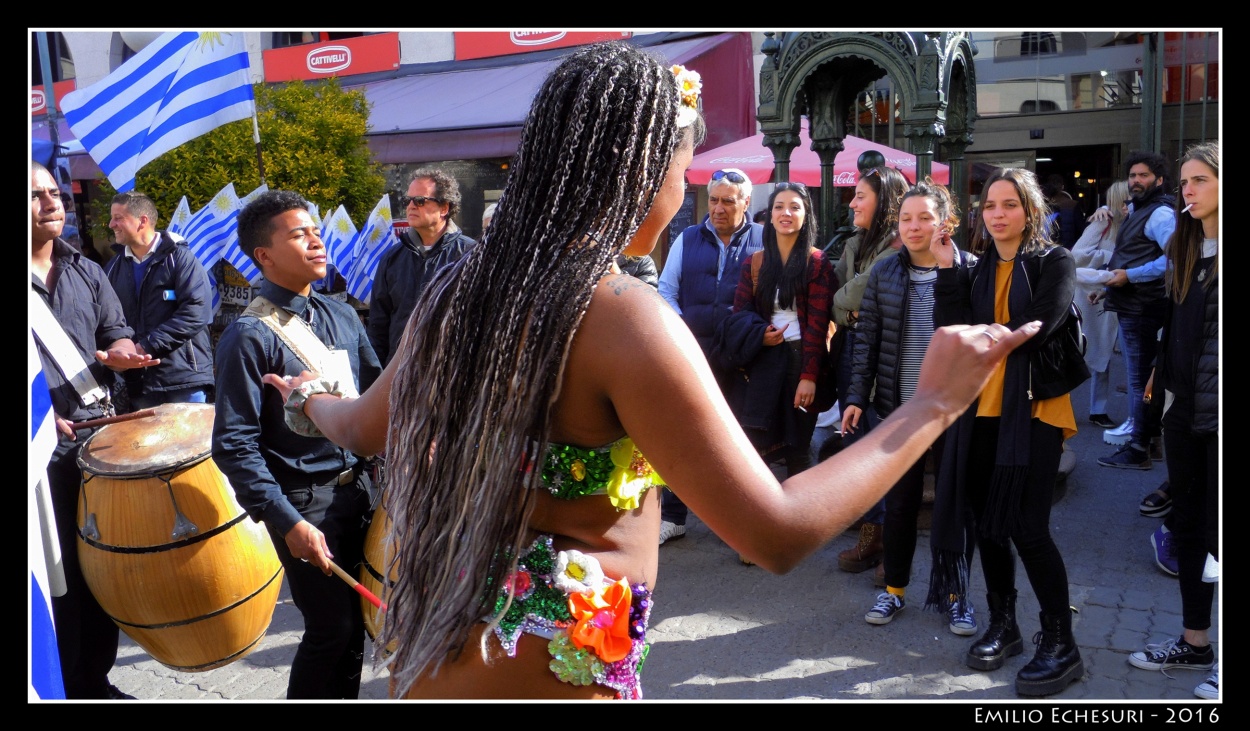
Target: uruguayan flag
[210, 230]
[178, 221]
[233, 253]
[43, 551]
[338, 234]
[182, 85]
[371, 243]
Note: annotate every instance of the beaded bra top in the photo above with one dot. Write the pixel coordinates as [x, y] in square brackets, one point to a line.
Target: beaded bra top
[617, 470]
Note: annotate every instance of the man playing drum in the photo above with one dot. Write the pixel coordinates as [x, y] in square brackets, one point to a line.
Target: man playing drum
[314, 497]
[80, 330]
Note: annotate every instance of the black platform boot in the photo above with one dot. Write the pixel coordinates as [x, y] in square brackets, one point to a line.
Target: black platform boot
[1057, 662]
[1002, 639]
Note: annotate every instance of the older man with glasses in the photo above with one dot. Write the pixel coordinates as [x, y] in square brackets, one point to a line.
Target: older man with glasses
[699, 279]
[432, 241]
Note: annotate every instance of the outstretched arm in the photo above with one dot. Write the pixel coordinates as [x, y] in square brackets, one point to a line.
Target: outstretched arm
[356, 424]
[706, 459]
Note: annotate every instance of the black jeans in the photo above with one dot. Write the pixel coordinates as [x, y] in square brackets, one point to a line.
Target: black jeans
[1193, 474]
[1038, 552]
[330, 656]
[902, 512]
[86, 637]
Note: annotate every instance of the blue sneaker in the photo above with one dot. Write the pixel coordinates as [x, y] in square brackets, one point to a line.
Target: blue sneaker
[884, 610]
[1165, 550]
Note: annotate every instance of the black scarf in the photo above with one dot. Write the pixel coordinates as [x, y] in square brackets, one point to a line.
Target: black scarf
[949, 536]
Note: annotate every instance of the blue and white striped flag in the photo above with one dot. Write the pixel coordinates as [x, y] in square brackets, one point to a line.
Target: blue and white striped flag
[371, 243]
[338, 234]
[182, 85]
[233, 254]
[178, 221]
[209, 231]
[43, 549]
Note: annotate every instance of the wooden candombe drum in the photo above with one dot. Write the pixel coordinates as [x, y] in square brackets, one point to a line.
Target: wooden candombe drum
[377, 556]
[164, 545]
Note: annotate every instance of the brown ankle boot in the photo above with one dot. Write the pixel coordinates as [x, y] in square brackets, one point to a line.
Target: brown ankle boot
[866, 553]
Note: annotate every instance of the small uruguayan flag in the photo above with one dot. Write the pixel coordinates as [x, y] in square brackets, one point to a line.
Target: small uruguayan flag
[208, 232]
[178, 221]
[233, 253]
[338, 234]
[374, 240]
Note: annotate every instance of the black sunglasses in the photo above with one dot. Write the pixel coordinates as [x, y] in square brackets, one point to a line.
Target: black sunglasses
[791, 186]
[731, 176]
[417, 200]
[869, 172]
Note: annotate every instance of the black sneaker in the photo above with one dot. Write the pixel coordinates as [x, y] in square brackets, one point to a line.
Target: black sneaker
[1173, 654]
[115, 694]
[1128, 457]
[1102, 421]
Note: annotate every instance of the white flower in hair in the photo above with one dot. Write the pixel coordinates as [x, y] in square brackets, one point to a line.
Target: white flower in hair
[689, 86]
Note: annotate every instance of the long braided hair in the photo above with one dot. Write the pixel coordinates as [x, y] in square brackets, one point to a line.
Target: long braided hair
[483, 355]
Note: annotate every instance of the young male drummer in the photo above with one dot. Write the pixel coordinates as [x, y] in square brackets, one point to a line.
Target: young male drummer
[315, 498]
[79, 329]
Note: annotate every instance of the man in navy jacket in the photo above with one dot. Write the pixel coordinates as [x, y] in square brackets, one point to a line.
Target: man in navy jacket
[167, 298]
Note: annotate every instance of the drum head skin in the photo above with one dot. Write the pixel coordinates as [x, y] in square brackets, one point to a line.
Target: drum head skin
[178, 435]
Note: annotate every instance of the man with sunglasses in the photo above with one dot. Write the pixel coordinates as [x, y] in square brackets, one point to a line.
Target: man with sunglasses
[699, 279]
[432, 241]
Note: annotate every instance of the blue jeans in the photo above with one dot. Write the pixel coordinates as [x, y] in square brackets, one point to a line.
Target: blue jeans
[1139, 338]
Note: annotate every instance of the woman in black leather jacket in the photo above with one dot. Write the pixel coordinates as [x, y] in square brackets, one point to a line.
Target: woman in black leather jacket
[1002, 458]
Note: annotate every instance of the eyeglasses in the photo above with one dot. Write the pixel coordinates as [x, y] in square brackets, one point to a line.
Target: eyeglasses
[418, 200]
[791, 186]
[731, 176]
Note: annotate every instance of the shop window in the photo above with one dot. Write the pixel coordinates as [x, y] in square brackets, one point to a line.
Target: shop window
[58, 56]
[298, 37]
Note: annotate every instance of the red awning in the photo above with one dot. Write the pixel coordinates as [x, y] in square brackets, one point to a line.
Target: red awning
[750, 156]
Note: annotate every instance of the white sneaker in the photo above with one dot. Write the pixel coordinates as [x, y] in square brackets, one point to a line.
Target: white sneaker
[671, 532]
[1119, 435]
[1210, 689]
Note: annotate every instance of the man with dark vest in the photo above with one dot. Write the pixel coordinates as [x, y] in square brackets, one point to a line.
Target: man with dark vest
[1135, 293]
[699, 279]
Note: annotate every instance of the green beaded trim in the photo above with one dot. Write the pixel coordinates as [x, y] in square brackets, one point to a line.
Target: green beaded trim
[571, 472]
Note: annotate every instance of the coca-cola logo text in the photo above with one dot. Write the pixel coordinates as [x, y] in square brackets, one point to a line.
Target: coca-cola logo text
[37, 101]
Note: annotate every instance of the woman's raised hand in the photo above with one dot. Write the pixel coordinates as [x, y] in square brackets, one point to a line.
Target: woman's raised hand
[942, 248]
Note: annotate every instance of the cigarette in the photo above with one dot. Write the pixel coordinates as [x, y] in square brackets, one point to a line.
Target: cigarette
[803, 409]
[1186, 208]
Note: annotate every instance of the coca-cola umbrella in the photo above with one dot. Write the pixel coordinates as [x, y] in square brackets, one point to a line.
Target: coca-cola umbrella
[750, 156]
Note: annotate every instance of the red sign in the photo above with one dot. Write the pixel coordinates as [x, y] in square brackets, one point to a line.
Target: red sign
[39, 100]
[483, 44]
[344, 57]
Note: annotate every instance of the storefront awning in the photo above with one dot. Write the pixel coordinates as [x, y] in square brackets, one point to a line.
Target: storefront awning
[478, 113]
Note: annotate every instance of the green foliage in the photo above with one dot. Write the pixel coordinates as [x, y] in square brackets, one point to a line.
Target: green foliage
[312, 142]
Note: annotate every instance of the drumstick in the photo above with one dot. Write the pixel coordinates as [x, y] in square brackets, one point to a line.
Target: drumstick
[360, 589]
[92, 423]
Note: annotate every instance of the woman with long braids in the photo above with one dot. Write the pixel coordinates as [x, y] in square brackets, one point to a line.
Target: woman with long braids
[1001, 461]
[532, 379]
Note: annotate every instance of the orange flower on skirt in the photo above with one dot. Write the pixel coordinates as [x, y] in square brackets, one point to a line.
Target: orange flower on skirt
[602, 621]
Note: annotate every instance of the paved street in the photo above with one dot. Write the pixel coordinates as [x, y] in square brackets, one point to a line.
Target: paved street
[724, 631]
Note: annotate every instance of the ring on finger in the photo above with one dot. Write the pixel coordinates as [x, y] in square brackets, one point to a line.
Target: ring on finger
[987, 334]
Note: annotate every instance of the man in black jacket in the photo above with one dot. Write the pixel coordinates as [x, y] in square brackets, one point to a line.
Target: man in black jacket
[432, 241]
[1135, 293]
[167, 298]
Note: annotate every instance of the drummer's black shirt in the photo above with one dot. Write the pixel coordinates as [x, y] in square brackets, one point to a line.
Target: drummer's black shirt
[252, 444]
[87, 308]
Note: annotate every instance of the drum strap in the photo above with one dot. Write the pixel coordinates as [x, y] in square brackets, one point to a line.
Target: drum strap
[298, 336]
[63, 352]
